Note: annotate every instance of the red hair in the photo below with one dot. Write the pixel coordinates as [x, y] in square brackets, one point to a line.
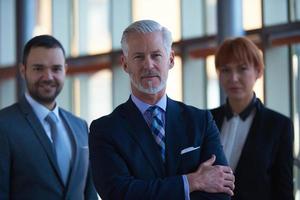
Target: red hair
[240, 50]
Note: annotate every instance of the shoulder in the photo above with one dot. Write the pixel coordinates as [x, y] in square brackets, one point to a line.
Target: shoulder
[10, 112]
[72, 118]
[189, 111]
[273, 123]
[217, 111]
[272, 115]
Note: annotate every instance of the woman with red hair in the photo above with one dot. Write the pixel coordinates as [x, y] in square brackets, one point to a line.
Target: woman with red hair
[257, 141]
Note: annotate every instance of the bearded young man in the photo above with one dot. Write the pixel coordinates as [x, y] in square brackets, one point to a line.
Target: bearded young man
[40, 158]
[152, 147]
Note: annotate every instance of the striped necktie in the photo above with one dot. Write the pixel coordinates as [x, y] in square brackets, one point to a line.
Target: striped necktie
[157, 128]
[61, 153]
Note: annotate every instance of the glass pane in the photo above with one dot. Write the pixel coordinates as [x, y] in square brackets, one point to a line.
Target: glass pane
[7, 92]
[100, 96]
[166, 12]
[192, 9]
[295, 10]
[7, 27]
[275, 12]
[252, 16]
[43, 18]
[92, 95]
[211, 17]
[277, 79]
[259, 88]
[61, 20]
[213, 88]
[296, 112]
[94, 30]
[174, 83]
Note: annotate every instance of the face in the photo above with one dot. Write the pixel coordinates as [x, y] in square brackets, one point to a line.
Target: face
[238, 79]
[147, 63]
[44, 74]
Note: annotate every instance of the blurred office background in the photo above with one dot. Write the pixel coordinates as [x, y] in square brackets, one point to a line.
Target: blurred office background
[90, 31]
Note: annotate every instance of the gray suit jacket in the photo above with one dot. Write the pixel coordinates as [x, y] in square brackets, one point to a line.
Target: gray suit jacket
[28, 169]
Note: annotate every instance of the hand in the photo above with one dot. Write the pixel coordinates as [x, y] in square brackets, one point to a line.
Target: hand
[212, 178]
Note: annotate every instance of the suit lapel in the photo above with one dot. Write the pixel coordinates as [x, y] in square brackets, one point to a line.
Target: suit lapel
[75, 155]
[39, 132]
[175, 136]
[251, 140]
[219, 115]
[139, 130]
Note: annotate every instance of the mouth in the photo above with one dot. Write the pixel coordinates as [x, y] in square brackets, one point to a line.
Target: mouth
[234, 89]
[47, 86]
[150, 76]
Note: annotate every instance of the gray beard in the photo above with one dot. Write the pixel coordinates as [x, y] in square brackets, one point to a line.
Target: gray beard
[151, 89]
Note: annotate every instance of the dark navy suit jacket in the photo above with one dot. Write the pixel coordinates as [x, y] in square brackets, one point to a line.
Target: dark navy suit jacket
[126, 162]
[28, 168]
[264, 170]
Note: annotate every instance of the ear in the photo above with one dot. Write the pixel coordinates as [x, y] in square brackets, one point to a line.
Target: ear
[171, 59]
[66, 68]
[124, 63]
[22, 70]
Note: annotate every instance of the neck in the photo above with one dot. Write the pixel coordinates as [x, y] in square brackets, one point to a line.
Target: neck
[149, 98]
[238, 105]
[50, 106]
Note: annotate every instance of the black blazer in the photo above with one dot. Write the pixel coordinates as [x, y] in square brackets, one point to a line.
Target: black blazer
[264, 170]
[28, 168]
[126, 162]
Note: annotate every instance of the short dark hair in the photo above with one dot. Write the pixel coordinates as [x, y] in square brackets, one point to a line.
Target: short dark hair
[46, 41]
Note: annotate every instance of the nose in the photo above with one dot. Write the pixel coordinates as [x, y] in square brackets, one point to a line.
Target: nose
[148, 63]
[234, 76]
[48, 75]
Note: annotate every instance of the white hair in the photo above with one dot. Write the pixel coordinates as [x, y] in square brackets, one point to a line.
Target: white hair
[146, 26]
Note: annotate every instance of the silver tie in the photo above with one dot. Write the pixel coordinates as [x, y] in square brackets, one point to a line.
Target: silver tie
[61, 153]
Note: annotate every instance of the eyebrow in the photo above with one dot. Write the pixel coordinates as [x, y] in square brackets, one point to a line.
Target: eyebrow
[37, 65]
[42, 65]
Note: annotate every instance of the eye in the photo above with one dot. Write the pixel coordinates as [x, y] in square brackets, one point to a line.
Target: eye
[138, 57]
[37, 68]
[156, 55]
[224, 70]
[243, 67]
[57, 68]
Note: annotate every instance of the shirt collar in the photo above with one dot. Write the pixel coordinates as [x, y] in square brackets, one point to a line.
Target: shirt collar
[142, 106]
[245, 113]
[40, 110]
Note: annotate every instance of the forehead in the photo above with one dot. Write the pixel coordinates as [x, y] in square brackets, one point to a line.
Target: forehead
[234, 63]
[44, 54]
[145, 41]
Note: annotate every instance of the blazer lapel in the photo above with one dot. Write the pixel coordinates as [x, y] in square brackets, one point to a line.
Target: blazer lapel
[251, 140]
[139, 130]
[219, 116]
[75, 146]
[39, 132]
[175, 137]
